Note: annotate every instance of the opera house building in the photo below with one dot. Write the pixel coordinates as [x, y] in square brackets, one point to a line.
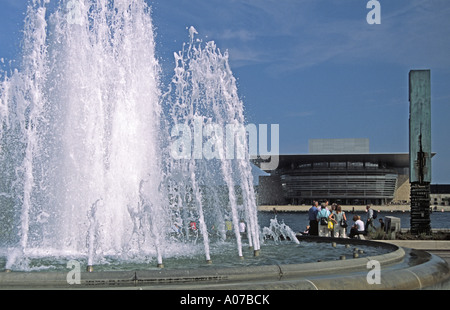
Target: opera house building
[341, 171]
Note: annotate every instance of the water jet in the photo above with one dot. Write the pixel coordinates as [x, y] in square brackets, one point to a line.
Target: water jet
[93, 172]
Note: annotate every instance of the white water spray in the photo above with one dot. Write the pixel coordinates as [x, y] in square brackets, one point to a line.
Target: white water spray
[204, 97]
[86, 170]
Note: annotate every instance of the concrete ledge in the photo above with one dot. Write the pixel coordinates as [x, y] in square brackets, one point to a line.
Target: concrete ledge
[59, 279]
[426, 245]
[430, 270]
[430, 274]
[23, 279]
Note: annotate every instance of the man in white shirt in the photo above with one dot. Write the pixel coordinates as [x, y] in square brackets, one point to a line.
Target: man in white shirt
[358, 227]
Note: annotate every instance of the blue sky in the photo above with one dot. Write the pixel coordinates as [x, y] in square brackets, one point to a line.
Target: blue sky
[316, 67]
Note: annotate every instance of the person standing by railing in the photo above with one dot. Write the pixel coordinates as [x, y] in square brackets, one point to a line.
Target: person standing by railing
[341, 222]
[323, 218]
[312, 215]
[369, 221]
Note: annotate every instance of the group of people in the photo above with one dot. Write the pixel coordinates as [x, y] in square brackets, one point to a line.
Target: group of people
[331, 221]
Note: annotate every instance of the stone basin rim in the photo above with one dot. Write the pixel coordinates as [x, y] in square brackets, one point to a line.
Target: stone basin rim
[212, 275]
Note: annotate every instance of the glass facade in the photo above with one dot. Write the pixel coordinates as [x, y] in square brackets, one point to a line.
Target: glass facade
[347, 179]
[351, 185]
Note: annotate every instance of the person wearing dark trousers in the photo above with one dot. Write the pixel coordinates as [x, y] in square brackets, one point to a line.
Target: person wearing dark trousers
[369, 221]
[357, 228]
[313, 224]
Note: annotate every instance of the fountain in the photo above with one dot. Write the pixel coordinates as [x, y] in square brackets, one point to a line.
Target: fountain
[102, 164]
[84, 138]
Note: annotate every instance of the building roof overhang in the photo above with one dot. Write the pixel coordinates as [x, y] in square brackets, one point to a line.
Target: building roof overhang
[397, 160]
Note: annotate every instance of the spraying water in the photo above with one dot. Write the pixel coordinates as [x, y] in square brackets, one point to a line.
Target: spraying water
[86, 167]
[204, 97]
[279, 231]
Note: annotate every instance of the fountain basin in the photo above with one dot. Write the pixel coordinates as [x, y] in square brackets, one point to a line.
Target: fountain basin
[401, 268]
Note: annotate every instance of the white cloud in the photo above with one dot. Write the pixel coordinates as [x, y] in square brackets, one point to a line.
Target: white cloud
[298, 34]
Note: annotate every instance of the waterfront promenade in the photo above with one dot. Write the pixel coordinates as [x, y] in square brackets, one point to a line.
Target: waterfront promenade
[358, 208]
